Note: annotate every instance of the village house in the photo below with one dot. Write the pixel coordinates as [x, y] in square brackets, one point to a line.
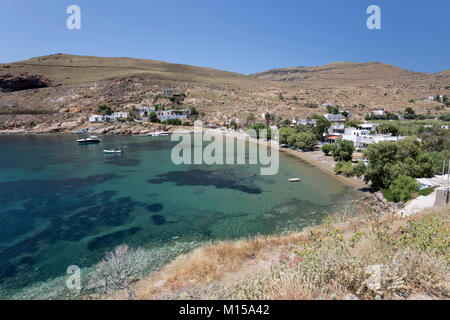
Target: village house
[362, 138]
[336, 130]
[379, 112]
[368, 126]
[143, 112]
[167, 93]
[164, 115]
[108, 118]
[311, 123]
[335, 118]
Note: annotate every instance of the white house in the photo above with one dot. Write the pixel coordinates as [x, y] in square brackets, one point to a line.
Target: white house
[302, 122]
[168, 92]
[164, 115]
[120, 114]
[335, 117]
[108, 118]
[379, 112]
[362, 138]
[144, 111]
[336, 130]
[368, 126]
[96, 118]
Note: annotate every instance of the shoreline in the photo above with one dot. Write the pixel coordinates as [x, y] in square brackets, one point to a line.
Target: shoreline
[308, 157]
[312, 160]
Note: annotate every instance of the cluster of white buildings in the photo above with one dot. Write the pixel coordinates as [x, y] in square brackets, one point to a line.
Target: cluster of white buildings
[162, 115]
[432, 98]
[311, 122]
[108, 118]
[361, 136]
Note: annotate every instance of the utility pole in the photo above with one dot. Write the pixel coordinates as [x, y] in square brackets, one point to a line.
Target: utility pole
[448, 182]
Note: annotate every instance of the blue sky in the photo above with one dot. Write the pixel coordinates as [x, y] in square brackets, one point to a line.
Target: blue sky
[243, 36]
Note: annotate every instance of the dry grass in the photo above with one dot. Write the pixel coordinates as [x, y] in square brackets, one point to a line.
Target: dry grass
[364, 255]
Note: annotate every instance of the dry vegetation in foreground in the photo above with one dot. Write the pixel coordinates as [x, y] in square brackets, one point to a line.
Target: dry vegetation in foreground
[357, 257]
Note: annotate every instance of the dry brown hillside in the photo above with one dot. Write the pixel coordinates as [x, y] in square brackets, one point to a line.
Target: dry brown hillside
[340, 74]
[58, 92]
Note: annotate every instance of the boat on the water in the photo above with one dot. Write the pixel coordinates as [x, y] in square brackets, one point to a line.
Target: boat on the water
[89, 140]
[159, 134]
[294, 179]
[113, 151]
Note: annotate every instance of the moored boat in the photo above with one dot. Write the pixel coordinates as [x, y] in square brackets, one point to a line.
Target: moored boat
[159, 134]
[113, 151]
[89, 140]
[294, 179]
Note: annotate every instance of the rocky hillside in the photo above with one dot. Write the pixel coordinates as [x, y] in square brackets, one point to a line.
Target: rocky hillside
[344, 74]
[57, 93]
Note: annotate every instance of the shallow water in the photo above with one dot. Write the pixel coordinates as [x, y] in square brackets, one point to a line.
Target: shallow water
[63, 204]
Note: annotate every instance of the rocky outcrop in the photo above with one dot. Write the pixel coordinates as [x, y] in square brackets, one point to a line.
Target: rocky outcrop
[10, 83]
[379, 204]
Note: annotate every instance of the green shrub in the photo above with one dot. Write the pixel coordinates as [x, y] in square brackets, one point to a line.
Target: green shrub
[426, 191]
[344, 167]
[388, 195]
[359, 169]
[104, 109]
[173, 122]
[343, 150]
[328, 148]
[403, 187]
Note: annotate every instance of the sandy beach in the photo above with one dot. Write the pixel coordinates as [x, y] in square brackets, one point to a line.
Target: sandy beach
[325, 164]
[314, 158]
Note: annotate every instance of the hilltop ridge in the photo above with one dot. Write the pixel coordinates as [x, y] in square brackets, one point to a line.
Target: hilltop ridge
[57, 93]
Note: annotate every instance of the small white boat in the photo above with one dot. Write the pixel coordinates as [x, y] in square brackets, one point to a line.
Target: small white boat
[113, 151]
[91, 139]
[159, 134]
[294, 179]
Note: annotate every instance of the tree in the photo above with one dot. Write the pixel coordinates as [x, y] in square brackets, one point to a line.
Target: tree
[328, 148]
[410, 110]
[344, 167]
[403, 188]
[259, 129]
[410, 113]
[382, 161]
[251, 119]
[387, 128]
[233, 124]
[104, 109]
[343, 150]
[301, 128]
[332, 110]
[153, 117]
[194, 111]
[359, 169]
[269, 118]
[321, 126]
[305, 140]
[389, 160]
[285, 132]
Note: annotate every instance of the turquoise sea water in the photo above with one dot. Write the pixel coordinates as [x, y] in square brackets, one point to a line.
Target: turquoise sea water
[64, 204]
